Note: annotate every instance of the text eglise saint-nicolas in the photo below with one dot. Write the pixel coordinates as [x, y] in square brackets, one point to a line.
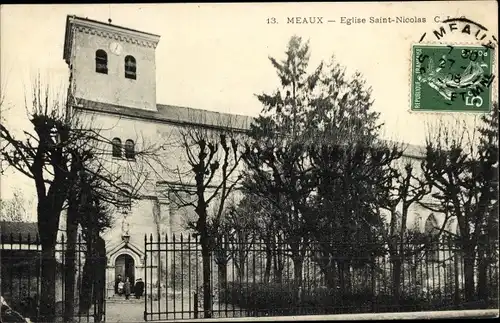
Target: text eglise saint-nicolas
[373, 20]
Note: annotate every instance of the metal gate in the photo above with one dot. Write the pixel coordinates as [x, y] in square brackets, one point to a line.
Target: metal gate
[21, 280]
[172, 275]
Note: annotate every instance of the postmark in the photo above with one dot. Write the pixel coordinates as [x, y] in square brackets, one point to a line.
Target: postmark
[451, 78]
[461, 28]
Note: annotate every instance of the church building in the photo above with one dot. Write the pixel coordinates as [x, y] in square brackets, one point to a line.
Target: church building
[113, 88]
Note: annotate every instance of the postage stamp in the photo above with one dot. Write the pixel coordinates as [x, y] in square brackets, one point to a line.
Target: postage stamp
[451, 78]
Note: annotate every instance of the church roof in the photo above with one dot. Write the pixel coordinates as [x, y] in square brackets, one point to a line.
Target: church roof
[109, 24]
[197, 117]
[413, 151]
[173, 114]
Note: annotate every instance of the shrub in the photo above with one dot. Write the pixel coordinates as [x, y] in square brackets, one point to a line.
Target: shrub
[281, 299]
[260, 296]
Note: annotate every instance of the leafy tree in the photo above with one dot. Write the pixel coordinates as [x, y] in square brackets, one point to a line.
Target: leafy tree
[312, 154]
[348, 160]
[342, 111]
[345, 207]
[276, 160]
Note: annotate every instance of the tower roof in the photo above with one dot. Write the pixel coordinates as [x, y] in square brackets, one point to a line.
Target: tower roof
[106, 30]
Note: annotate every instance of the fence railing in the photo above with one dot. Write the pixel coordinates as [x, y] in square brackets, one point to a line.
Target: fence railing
[21, 281]
[265, 278]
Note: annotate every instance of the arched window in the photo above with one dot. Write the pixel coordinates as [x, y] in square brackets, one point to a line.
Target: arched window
[432, 229]
[431, 225]
[117, 147]
[417, 224]
[101, 61]
[130, 67]
[129, 149]
[398, 221]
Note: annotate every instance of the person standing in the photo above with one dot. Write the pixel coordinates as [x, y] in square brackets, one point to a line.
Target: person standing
[121, 284]
[126, 288]
[138, 288]
[117, 282]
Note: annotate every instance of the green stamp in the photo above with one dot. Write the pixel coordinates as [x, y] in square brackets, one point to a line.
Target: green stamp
[451, 78]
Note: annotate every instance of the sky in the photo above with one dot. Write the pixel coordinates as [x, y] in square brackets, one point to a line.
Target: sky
[215, 56]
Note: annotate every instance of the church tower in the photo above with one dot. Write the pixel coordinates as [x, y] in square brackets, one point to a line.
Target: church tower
[111, 64]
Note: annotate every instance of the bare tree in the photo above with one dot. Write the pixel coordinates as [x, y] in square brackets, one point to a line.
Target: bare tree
[17, 208]
[403, 188]
[59, 147]
[236, 236]
[462, 169]
[206, 172]
[282, 175]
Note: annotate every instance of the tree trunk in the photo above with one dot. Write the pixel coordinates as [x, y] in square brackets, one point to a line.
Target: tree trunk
[482, 288]
[328, 269]
[396, 278]
[469, 256]
[278, 264]
[86, 294]
[48, 286]
[100, 278]
[330, 278]
[222, 275]
[207, 292]
[348, 277]
[70, 268]
[342, 279]
[241, 265]
[456, 282]
[278, 269]
[269, 260]
[297, 276]
[297, 270]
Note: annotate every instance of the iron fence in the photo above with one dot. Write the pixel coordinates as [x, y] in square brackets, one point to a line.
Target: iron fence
[268, 278]
[20, 279]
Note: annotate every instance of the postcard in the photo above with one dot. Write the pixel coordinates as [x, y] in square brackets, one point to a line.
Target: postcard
[242, 161]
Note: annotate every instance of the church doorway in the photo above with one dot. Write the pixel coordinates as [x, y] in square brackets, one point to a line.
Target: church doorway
[125, 266]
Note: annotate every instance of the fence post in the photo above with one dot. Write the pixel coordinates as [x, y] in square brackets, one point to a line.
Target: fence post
[145, 277]
[457, 280]
[195, 301]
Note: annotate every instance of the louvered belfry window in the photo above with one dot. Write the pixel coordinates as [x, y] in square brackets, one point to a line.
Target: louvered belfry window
[101, 62]
[130, 67]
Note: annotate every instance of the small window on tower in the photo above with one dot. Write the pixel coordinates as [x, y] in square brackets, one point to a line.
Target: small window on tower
[117, 147]
[129, 149]
[130, 67]
[101, 61]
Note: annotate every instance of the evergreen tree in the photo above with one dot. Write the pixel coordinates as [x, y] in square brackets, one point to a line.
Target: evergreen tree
[351, 165]
[276, 160]
[314, 156]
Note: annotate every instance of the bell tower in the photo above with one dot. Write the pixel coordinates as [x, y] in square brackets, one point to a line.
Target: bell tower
[111, 64]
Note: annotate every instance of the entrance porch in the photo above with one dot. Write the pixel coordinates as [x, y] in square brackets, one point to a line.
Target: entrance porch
[126, 260]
